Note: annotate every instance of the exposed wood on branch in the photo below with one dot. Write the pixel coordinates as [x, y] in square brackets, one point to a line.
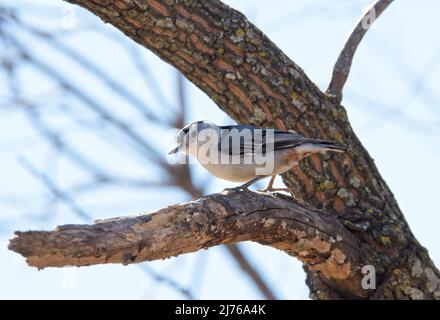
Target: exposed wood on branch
[249, 77]
[316, 238]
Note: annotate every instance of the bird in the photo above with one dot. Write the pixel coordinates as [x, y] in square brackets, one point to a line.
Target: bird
[246, 153]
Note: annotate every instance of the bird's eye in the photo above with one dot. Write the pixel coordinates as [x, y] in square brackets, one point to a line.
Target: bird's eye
[185, 130]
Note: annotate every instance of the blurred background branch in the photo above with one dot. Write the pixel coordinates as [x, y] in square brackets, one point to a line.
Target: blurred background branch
[122, 130]
[96, 131]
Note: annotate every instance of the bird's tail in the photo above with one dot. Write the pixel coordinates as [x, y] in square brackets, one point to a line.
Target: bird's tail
[328, 145]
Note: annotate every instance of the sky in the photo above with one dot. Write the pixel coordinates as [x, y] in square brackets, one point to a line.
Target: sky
[391, 98]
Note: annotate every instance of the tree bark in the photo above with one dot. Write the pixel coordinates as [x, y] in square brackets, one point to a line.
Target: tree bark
[222, 218]
[254, 82]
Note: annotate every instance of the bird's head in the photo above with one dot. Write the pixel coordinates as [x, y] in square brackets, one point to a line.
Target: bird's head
[190, 137]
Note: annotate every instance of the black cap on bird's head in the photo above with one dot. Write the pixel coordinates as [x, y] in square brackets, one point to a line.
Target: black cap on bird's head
[189, 133]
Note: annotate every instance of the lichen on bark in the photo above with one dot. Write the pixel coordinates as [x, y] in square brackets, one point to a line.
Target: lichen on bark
[254, 82]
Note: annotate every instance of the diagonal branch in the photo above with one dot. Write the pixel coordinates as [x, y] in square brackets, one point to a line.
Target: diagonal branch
[345, 59]
[239, 257]
[253, 81]
[216, 48]
[318, 239]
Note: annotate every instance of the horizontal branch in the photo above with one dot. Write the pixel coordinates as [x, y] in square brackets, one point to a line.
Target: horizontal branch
[318, 239]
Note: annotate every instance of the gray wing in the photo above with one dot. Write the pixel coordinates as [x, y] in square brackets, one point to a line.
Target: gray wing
[248, 140]
[284, 139]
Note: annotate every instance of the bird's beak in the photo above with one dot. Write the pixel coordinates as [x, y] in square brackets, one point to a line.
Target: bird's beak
[174, 151]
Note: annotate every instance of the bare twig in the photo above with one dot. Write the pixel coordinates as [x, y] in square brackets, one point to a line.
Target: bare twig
[57, 140]
[344, 61]
[55, 190]
[101, 74]
[90, 102]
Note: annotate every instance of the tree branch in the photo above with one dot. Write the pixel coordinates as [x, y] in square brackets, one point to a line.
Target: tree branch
[183, 177]
[345, 59]
[216, 48]
[316, 238]
[252, 80]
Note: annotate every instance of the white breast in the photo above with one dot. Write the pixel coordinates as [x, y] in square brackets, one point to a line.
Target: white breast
[232, 172]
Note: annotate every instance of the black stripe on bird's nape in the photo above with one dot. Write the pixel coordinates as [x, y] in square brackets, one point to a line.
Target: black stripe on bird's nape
[185, 129]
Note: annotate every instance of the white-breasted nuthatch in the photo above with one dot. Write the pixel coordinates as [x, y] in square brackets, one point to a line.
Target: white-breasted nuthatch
[245, 153]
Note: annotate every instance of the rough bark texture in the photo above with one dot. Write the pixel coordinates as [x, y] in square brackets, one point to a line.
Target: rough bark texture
[248, 77]
[222, 218]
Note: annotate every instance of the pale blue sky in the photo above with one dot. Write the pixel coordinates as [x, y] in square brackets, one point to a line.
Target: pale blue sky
[391, 98]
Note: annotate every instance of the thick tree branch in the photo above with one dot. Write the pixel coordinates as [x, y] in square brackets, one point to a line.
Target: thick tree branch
[316, 238]
[183, 177]
[219, 50]
[249, 77]
[343, 63]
